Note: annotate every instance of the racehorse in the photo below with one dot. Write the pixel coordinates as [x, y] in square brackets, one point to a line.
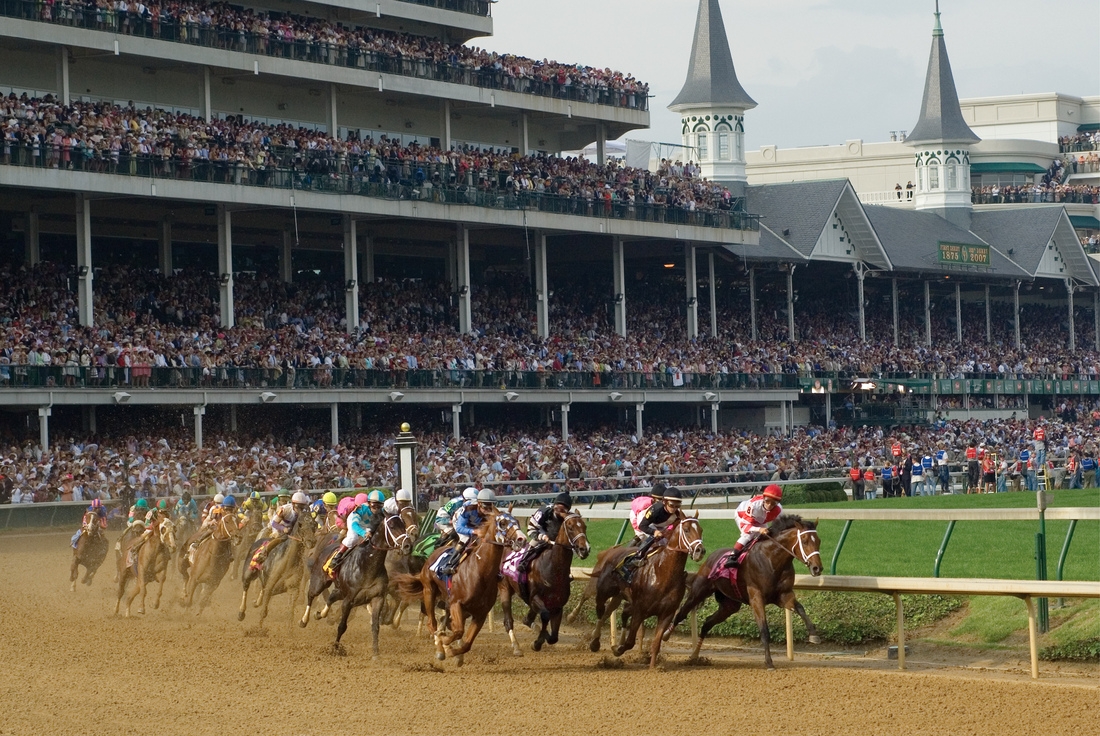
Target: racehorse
[250, 529]
[206, 564]
[655, 590]
[150, 564]
[471, 591]
[548, 583]
[90, 551]
[396, 539]
[399, 561]
[765, 575]
[282, 571]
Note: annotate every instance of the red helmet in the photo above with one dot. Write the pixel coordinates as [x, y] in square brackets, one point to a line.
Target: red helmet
[95, 503]
[773, 491]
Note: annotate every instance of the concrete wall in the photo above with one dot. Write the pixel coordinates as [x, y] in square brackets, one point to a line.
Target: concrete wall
[1042, 117]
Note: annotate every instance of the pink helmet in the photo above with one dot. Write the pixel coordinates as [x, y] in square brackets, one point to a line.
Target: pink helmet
[360, 499]
[345, 506]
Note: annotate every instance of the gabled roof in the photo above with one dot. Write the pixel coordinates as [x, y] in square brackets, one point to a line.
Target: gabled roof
[940, 115]
[711, 79]
[800, 212]
[911, 239]
[772, 247]
[1030, 232]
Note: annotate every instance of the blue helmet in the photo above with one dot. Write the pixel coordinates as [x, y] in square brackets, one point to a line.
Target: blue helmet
[376, 496]
[229, 501]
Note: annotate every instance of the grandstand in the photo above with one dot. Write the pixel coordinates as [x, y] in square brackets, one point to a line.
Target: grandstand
[353, 211]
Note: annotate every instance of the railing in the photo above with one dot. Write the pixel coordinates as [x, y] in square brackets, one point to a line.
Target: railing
[1026, 195]
[229, 377]
[1078, 146]
[357, 175]
[348, 55]
[470, 7]
[890, 197]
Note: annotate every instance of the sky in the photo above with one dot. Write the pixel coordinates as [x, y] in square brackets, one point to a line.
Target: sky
[821, 71]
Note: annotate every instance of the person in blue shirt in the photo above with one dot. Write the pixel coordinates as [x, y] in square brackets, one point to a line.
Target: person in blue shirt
[917, 470]
[926, 464]
[1088, 470]
[943, 460]
[186, 508]
[1029, 470]
[467, 520]
[887, 481]
[363, 522]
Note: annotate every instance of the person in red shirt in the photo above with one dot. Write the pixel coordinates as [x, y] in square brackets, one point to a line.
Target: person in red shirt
[972, 467]
[989, 477]
[869, 483]
[856, 477]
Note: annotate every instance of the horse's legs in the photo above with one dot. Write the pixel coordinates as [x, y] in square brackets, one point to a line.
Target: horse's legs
[555, 626]
[588, 592]
[506, 608]
[376, 622]
[74, 571]
[246, 581]
[160, 586]
[467, 641]
[699, 591]
[603, 610]
[398, 613]
[655, 644]
[345, 611]
[788, 600]
[142, 588]
[429, 612]
[457, 627]
[630, 636]
[313, 590]
[726, 608]
[756, 600]
[538, 607]
[121, 580]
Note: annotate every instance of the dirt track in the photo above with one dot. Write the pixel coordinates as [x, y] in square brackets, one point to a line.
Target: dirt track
[68, 666]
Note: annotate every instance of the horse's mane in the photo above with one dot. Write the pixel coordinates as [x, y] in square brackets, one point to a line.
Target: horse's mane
[789, 521]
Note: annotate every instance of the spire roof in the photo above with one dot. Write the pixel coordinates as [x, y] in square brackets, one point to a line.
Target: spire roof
[940, 116]
[711, 79]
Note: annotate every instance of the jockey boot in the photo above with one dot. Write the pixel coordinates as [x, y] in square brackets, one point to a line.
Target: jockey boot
[258, 558]
[735, 559]
[332, 567]
[451, 566]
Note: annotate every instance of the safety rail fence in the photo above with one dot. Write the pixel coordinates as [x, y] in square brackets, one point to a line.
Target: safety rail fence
[227, 376]
[348, 175]
[444, 65]
[470, 7]
[1027, 195]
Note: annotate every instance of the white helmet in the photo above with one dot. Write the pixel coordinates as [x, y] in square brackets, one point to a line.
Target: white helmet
[470, 494]
[404, 495]
[231, 485]
[218, 498]
[300, 498]
[486, 496]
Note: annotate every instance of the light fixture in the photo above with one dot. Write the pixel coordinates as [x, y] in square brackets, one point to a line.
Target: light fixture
[692, 301]
[82, 271]
[396, 396]
[615, 395]
[539, 296]
[121, 397]
[619, 298]
[463, 290]
[226, 278]
[350, 285]
[670, 265]
[267, 397]
[710, 396]
[511, 396]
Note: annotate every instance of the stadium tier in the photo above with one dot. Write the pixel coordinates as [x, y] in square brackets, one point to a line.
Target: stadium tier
[224, 205]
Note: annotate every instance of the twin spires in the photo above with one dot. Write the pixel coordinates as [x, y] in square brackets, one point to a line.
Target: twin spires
[711, 79]
[941, 117]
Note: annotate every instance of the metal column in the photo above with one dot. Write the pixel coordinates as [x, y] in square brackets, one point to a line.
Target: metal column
[63, 74]
[351, 274]
[456, 421]
[445, 125]
[542, 293]
[233, 418]
[330, 118]
[165, 255]
[565, 422]
[225, 265]
[927, 315]
[619, 295]
[691, 280]
[988, 318]
[752, 302]
[366, 258]
[91, 420]
[85, 272]
[638, 409]
[790, 302]
[44, 427]
[958, 313]
[334, 422]
[286, 258]
[860, 274]
[1016, 311]
[206, 108]
[462, 247]
[828, 409]
[713, 295]
[199, 411]
[601, 144]
[32, 252]
[1072, 324]
[714, 418]
[894, 304]
[525, 136]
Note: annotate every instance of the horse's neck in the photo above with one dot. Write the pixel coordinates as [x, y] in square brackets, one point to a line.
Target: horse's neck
[669, 561]
[779, 554]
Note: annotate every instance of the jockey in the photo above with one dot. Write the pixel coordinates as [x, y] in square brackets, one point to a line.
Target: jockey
[225, 507]
[543, 527]
[318, 511]
[339, 520]
[330, 502]
[654, 523]
[362, 523]
[253, 503]
[402, 499]
[638, 507]
[282, 521]
[186, 508]
[752, 515]
[467, 519]
[95, 518]
[281, 501]
[444, 518]
[138, 512]
[211, 505]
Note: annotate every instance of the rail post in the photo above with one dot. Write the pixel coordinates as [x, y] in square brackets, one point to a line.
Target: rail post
[788, 618]
[943, 548]
[1033, 636]
[1041, 560]
[622, 532]
[901, 630]
[1062, 557]
[840, 545]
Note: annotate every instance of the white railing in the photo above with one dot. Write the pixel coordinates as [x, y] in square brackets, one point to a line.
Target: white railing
[889, 198]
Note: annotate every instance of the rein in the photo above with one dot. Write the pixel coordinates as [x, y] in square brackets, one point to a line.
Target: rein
[681, 538]
[572, 540]
[801, 554]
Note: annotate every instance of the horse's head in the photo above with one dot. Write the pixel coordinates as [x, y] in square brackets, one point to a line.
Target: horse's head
[576, 534]
[411, 521]
[800, 539]
[397, 535]
[689, 538]
[506, 531]
[167, 534]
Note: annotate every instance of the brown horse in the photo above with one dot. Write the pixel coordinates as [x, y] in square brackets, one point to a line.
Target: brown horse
[282, 570]
[150, 565]
[655, 590]
[548, 583]
[472, 590]
[765, 575]
[251, 527]
[206, 564]
[396, 537]
[90, 551]
[401, 561]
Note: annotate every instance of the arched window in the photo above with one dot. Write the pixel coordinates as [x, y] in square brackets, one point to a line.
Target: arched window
[702, 146]
[933, 177]
[952, 176]
[723, 146]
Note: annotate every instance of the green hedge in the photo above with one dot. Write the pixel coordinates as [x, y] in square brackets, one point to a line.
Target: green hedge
[814, 493]
[1087, 650]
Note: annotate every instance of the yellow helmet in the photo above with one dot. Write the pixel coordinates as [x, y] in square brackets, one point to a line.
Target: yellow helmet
[330, 499]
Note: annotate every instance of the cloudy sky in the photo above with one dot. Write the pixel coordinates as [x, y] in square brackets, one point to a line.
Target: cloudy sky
[821, 71]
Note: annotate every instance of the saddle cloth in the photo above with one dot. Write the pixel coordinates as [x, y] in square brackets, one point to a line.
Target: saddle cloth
[510, 566]
[442, 561]
[720, 571]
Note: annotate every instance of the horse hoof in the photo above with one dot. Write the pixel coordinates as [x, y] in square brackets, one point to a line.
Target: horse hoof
[618, 651]
[536, 645]
[303, 623]
[72, 588]
[440, 656]
[594, 646]
[458, 660]
[815, 639]
[240, 615]
[667, 635]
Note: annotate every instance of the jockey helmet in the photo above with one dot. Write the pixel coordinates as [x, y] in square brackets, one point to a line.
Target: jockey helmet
[229, 501]
[284, 493]
[96, 503]
[470, 494]
[376, 496]
[404, 494]
[486, 496]
[300, 498]
[563, 499]
[773, 491]
[673, 494]
[360, 499]
[186, 497]
[255, 495]
[219, 498]
[162, 504]
[141, 503]
[330, 499]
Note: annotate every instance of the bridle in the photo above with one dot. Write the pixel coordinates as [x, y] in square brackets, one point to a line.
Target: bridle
[801, 553]
[684, 544]
[573, 539]
[504, 524]
[394, 540]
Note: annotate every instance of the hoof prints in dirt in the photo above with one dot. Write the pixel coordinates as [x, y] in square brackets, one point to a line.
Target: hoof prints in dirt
[255, 632]
[610, 663]
[422, 668]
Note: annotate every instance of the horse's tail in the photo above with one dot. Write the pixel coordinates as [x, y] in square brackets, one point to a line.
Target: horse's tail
[410, 588]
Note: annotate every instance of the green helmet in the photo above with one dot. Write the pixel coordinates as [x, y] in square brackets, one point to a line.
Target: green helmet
[142, 503]
[163, 504]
